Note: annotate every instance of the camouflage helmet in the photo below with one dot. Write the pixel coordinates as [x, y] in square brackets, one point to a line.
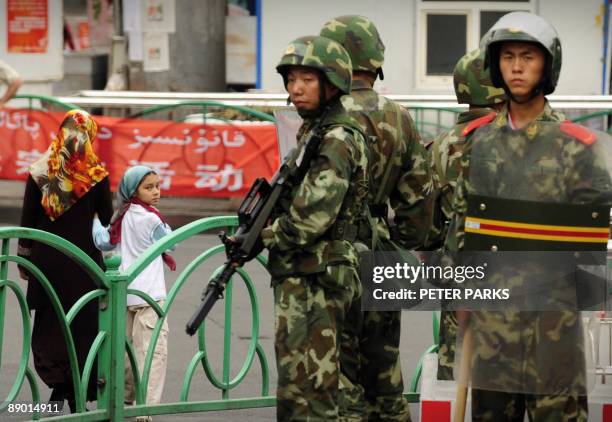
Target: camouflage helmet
[322, 54]
[360, 37]
[473, 83]
[525, 27]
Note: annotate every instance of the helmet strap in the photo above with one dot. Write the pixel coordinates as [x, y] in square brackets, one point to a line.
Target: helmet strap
[311, 114]
[324, 102]
[534, 92]
[542, 84]
[322, 91]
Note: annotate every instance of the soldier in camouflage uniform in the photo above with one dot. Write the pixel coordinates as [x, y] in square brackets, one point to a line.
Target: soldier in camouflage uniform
[313, 261]
[526, 154]
[534, 101]
[473, 86]
[399, 174]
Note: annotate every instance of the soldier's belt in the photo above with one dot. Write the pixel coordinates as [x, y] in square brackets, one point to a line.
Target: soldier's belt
[512, 225]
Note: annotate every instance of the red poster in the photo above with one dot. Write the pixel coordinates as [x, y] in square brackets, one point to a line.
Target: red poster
[28, 27]
[84, 43]
[208, 160]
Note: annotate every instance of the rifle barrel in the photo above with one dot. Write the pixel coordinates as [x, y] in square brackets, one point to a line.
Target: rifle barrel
[213, 292]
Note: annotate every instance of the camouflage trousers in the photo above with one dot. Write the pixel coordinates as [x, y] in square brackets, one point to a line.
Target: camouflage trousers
[447, 338]
[510, 407]
[375, 371]
[310, 315]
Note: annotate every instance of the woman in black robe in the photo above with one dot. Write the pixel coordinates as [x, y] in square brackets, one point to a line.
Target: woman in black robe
[67, 187]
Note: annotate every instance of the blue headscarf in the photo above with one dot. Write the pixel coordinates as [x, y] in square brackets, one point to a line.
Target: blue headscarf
[125, 196]
[129, 183]
[127, 188]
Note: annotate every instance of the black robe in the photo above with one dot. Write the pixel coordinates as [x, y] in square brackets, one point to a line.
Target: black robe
[69, 281]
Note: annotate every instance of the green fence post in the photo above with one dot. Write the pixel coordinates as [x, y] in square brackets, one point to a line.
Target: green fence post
[117, 302]
[3, 276]
[227, 340]
[105, 323]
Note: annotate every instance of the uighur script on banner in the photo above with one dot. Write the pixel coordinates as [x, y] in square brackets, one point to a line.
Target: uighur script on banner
[201, 140]
[210, 177]
[193, 159]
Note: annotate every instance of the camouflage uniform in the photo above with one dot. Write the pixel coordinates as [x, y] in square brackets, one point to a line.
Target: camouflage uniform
[399, 173]
[313, 262]
[542, 163]
[456, 236]
[473, 86]
[569, 172]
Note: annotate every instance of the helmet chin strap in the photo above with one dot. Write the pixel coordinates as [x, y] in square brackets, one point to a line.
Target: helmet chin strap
[323, 101]
[540, 87]
[534, 92]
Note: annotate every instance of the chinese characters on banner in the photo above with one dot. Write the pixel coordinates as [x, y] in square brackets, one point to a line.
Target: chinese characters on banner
[28, 28]
[213, 160]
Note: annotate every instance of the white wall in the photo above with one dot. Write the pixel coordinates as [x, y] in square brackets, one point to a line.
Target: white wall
[285, 20]
[581, 40]
[37, 69]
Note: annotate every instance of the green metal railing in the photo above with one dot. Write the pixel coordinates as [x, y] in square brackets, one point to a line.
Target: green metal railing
[431, 121]
[110, 345]
[603, 117]
[44, 100]
[206, 107]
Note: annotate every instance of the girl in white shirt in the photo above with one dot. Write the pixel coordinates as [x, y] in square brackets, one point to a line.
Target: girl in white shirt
[135, 226]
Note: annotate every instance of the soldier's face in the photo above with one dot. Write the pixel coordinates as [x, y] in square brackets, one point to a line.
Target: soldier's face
[522, 66]
[303, 88]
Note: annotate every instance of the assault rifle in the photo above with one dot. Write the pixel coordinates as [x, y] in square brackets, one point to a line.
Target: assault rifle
[254, 214]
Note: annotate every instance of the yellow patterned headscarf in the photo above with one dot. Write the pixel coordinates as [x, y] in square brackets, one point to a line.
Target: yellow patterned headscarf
[69, 168]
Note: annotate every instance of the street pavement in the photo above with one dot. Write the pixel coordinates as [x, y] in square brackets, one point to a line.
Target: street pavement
[416, 326]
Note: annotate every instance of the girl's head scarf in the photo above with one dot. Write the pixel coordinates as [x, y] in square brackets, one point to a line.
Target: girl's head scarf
[126, 195]
[69, 168]
[129, 184]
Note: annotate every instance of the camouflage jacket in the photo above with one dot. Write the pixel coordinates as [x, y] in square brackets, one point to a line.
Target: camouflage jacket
[314, 219]
[455, 237]
[445, 160]
[394, 141]
[544, 162]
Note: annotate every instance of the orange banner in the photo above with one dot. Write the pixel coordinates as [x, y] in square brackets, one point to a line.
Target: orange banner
[28, 28]
[212, 160]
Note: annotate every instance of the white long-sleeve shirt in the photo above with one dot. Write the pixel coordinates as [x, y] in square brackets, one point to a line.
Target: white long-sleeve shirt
[139, 230]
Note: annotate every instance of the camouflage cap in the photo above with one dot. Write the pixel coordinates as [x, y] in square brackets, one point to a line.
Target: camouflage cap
[322, 54]
[524, 27]
[360, 37]
[473, 82]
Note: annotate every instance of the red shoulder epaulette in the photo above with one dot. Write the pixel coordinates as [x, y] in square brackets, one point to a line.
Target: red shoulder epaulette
[579, 132]
[476, 123]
